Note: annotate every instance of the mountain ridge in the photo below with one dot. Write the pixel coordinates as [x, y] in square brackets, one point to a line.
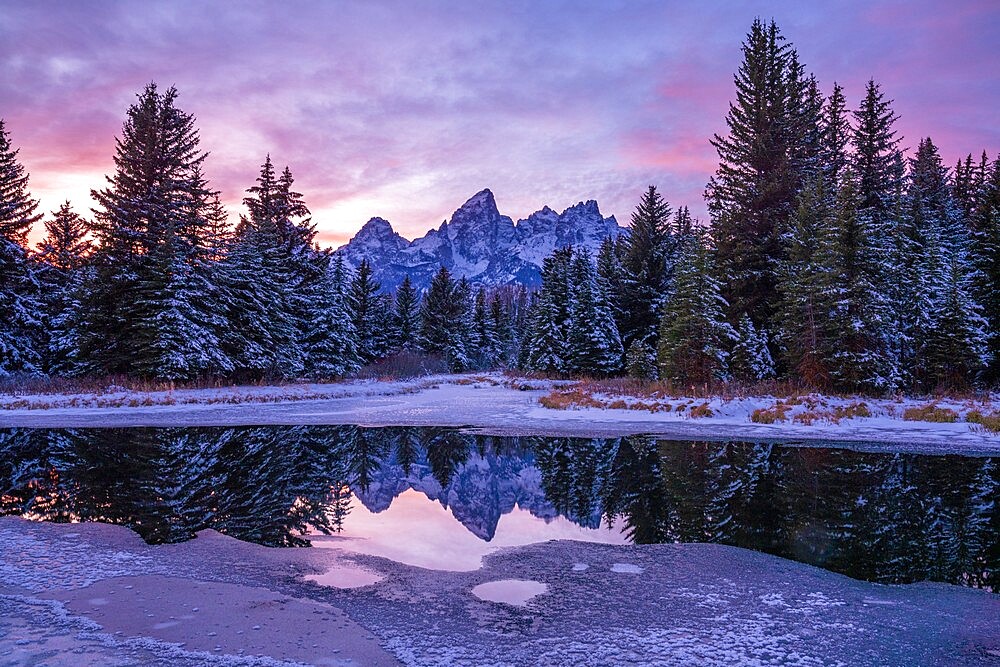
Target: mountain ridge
[478, 243]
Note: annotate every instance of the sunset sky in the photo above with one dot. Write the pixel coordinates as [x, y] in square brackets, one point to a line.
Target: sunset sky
[406, 109]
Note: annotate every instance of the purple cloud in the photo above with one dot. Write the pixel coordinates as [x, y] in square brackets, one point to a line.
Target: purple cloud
[403, 111]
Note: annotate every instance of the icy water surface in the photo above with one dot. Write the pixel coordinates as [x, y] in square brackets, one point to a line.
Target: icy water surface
[441, 498]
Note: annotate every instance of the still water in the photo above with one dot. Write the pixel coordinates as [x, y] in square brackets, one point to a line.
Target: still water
[438, 497]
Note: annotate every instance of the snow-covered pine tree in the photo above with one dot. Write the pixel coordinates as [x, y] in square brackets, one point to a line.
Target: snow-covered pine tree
[370, 311]
[943, 320]
[640, 361]
[548, 336]
[646, 263]
[750, 360]
[330, 343]
[806, 287]
[261, 306]
[611, 274]
[440, 321]
[753, 190]
[20, 324]
[463, 335]
[694, 334]
[406, 316]
[485, 337]
[985, 223]
[503, 327]
[876, 169]
[63, 256]
[150, 308]
[594, 345]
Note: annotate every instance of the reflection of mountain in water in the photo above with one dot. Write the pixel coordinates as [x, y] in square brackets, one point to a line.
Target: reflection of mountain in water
[881, 517]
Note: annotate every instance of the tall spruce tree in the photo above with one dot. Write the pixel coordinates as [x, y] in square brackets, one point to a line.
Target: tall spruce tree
[752, 193]
[594, 344]
[20, 324]
[441, 315]
[942, 319]
[406, 316]
[547, 340]
[370, 312]
[647, 256]
[985, 223]
[150, 306]
[694, 334]
[806, 287]
[63, 256]
[331, 340]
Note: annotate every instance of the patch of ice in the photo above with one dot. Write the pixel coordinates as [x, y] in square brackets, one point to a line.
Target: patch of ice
[345, 576]
[626, 568]
[517, 592]
[580, 567]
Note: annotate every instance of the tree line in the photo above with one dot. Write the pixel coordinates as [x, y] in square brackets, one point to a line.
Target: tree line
[830, 259]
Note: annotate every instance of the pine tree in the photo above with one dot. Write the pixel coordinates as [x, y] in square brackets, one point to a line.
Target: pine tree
[645, 268]
[753, 191]
[548, 338]
[485, 337]
[150, 307]
[876, 170]
[20, 325]
[594, 345]
[63, 257]
[370, 313]
[640, 361]
[694, 334]
[750, 360]
[261, 307]
[941, 318]
[441, 315]
[331, 340]
[806, 287]
[406, 318]
[986, 250]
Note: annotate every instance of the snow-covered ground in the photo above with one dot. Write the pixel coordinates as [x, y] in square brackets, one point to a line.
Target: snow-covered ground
[96, 594]
[495, 403]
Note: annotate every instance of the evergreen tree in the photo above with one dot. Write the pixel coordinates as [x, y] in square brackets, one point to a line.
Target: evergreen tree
[503, 329]
[331, 341]
[441, 315]
[485, 337]
[594, 345]
[941, 318]
[640, 361]
[645, 268]
[693, 332]
[548, 337]
[63, 257]
[20, 324]
[406, 318]
[806, 288]
[370, 313]
[753, 190]
[261, 306]
[750, 360]
[150, 307]
[985, 223]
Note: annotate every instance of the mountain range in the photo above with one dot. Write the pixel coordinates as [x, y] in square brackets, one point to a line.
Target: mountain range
[478, 243]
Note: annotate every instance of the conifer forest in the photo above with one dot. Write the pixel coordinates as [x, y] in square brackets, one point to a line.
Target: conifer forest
[837, 255]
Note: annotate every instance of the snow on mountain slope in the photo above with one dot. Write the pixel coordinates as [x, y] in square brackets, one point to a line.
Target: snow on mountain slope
[479, 243]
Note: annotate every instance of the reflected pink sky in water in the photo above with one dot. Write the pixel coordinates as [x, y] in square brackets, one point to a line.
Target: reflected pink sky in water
[416, 530]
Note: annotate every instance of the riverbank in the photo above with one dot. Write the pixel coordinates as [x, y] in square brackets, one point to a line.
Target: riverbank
[499, 404]
[94, 593]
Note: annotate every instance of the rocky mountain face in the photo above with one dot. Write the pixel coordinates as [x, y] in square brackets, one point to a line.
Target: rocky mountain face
[479, 243]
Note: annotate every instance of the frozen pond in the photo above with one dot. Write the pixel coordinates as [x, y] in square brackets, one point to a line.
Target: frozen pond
[442, 499]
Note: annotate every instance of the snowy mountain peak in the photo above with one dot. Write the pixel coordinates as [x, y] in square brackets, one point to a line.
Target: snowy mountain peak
[479, 243]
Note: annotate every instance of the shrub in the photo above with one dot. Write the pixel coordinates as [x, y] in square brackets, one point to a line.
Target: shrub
[562, 399]
[777, 413]
[989, 423]
[701, 411]
[930, 413]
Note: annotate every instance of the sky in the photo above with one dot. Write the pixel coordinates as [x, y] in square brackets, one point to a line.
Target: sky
[406, 109]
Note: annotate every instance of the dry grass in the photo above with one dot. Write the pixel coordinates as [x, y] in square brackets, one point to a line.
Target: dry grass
[834, 416]
[564, 399]
[701, 411]
[988, 423]
[930, 413]
[776, 413]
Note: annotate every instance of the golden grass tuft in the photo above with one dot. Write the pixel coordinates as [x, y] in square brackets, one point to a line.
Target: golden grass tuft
[989, 423]
[930, 413]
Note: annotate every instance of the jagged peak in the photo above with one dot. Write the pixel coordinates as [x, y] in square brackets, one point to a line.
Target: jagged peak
[588, 207]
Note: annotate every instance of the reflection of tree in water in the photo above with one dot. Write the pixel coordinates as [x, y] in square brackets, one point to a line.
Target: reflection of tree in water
[882, 517]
